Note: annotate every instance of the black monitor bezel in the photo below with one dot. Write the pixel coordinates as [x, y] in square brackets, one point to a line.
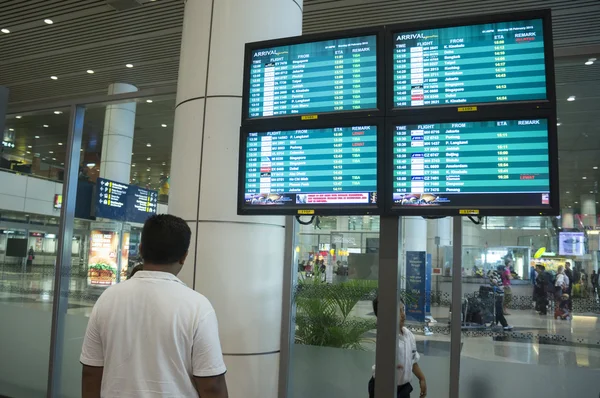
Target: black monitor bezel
[486, 108]
[318, 210]
[377, 31]
[552, 210]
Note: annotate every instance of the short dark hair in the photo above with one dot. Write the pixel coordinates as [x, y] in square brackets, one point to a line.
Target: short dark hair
[165, 239]
[376, 304]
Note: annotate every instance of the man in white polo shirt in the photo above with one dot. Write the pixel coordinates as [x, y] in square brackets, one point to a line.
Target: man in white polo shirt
[152, 336]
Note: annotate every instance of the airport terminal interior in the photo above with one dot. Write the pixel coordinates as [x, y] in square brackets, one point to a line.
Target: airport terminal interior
[114, 110]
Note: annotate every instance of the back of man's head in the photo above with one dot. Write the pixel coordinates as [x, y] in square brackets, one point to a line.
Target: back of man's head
[165, 240]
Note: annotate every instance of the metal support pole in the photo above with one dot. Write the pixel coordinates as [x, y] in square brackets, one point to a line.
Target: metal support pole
[387, 320]
[288, 310]
[455, 330]
[63, 259]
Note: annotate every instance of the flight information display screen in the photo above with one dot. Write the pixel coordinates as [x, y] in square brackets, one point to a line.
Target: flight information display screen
[325, 76]
[311, 167]
[490, 63]
[502, 163]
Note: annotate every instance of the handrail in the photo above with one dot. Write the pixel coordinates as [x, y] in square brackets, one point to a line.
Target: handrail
[2, 169]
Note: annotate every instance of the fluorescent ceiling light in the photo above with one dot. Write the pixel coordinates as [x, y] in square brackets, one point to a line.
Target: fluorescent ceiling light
[571, 98]
[148, 145]
[29, 146]
[53, 158]
[37, 136]
[60, 144]
[48, 21]
[46, 126]
[28, 152]
[18, 117]
[129, 65]
[148, 169]
[163, 125]
[149, 101]
[53, 77]
[149, 158]
[4, 30]
[133, 165]
[595, 167]
[57, 112]
[558, 124]
[584, 178]
[164, 163]
[91, 164]
[90, 71]
[51, 152]
[11, 129]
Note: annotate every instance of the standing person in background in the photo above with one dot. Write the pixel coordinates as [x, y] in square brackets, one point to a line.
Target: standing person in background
[407, 360]
[561, 286]
[594, 280]
[569, 273]
[164, 339]
[506, 277]
[541, 290]
[30, 258]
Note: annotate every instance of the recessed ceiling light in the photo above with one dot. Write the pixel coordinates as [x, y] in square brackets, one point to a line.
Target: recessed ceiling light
[45, 125]
[28, 152]
[81, 150]
[37, 136]
[18, 117]
[129, 65]
[571, 98]
[591, 191]
[584, 178]
[568, 192]
[91, 72]
[53, 77]
[53, 158]
[149, 101]
[91, 164]
[60, 144]
[558, 124]
[148, 158]
[57, 112]
[48, 21]
[590, 61]
[4, 30]
[11, 129]
[164, 163]
[51, 152]
[576, 203]
[62, 164]
[43, 158]
[148, 145]
[29, 146]
[148, 169]
[163, 125]
[595, 167]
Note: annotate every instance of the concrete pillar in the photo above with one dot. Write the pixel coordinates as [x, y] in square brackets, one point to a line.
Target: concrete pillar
[588, 210]
[117, 140]
[567, 218]
[237, 262]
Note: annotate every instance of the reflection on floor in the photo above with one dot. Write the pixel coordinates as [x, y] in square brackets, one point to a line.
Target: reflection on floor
[535, 340]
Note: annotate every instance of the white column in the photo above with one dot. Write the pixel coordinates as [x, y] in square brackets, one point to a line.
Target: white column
[117, 139]
[588, 210]
[566, 218]
[237, 262]
[414, 234]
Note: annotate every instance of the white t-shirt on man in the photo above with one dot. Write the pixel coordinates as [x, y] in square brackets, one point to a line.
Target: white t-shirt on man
[407, 356]
[152, 334]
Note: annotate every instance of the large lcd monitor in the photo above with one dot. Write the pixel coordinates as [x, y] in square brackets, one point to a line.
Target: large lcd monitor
[571, 243]
[491, 167]
[330, 169]
[314, 75]
[474, 61]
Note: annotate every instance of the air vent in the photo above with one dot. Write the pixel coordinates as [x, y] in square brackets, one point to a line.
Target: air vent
[122, 5]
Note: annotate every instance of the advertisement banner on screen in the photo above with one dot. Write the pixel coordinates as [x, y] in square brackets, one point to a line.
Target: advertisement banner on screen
[571, 243]
[415, 284]
[103, 257]
[124, 257]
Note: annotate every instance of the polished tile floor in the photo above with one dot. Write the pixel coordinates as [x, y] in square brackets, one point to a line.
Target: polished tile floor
[535, 339]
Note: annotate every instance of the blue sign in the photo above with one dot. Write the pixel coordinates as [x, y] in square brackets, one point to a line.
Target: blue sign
[428, 272]
[140, 204]
[110, 199]
[123, 202]
[415, 282]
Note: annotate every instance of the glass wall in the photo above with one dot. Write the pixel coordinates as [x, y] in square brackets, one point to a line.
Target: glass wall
[337, 279]
[102, 250]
